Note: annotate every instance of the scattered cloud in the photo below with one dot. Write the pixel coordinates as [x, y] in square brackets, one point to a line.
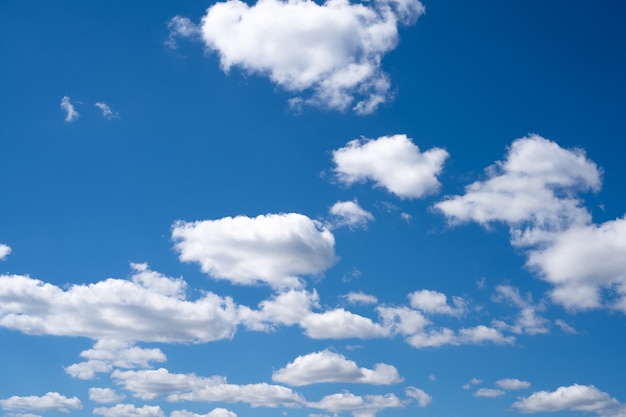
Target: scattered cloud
[149, 307]
[272, 249]
[565, 327]
[512, 384]
[473, 381]
[433, 302]
[423, 399]
[365, 406]
[350, 214]
[70, 112]
[327, 366]
[533, 191]
[333, 50]
[105, 395]
[107, 113]
[5, 250]
[584, 398]
[394, 163]
[107, 354]
[359, 297]
[527, 320]
[488, 392]
[129, 410]
[216, 412]
[341, 324]
[52, 401]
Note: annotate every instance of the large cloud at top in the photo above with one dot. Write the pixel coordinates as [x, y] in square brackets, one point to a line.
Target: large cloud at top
[274, 248]
[334, 49]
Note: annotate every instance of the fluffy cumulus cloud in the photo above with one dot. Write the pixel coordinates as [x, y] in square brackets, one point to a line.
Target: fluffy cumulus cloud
[152, 384]
[107, 354]
[581, 261]
[274, 248]
[358, 406]
[216, 412]
[394, 163]
[512, 384]
[107, 113]
[488, 392]
[129, 410]
[358, 297]
[327, 366]
[105, 395]
[149, 307]
[5, 250]
[423, 399]
[341, 324]
[585, 398]
[535, 185]
[434, 302]
[52, 401]
[534, 191]
[333, 50]
[350, 214]
[70, 112]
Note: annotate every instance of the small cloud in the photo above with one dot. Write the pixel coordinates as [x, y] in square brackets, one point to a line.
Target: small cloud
[107, 113]
[432, 377]
[481, 283]
[562, 325]
[5, 250]
[422, 398]
[349, 213]
[489, 393]
[512, 384]
[71, 113]
[360, 298]
[406, 217]
[181, 27]
[473, 381]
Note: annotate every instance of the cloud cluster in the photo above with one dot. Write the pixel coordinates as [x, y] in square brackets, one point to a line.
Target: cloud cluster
[150, 307]
[327, 366]
[394, 163]
[534, 191]
[274, 249]
[585, 398]
[334, 49]
[52, 401]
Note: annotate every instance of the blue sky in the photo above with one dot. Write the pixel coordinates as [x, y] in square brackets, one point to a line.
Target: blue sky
[388, 208]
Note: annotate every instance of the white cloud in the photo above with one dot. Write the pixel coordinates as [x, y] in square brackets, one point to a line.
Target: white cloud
[586, 398]
[107, 354]
[527, 320]
[129, 410]
[434, 302]
[534, 192]
[564, 326]
[391, 162]
[181, 27]
[473, 381]
[68, 107]
[349, 213]
[105, 395]
[142, 309]
[512, 384]
[327, 366]
[534, 185]
[359, 297]
[152, 384]
[286, 308]
[466, 336]
[272, 248]
[488, 392]
[341, 324]
[107, 113]
[334, 49]
[216, 412]
[402, 320]
[581, 261]
[52, 401]
[365, 406]
[423, 399]
[5, 250]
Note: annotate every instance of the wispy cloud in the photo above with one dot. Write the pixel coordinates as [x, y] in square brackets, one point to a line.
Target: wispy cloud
[106, 111]
[71, 113]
